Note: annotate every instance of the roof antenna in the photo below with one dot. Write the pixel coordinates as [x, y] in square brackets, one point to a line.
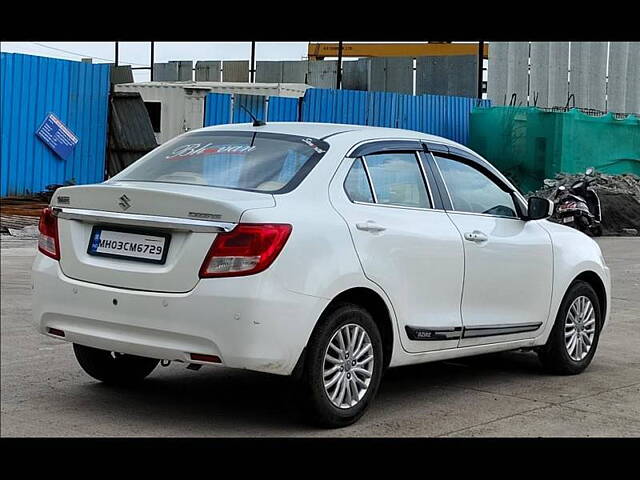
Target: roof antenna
[256, 122]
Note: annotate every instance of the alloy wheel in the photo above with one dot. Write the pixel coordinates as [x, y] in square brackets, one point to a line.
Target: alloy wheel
[580, 328]
[348, 366]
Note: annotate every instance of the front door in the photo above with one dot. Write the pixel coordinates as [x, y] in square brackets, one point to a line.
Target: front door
[508, 261]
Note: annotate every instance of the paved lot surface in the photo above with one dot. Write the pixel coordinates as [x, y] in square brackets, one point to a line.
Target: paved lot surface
[44, 392]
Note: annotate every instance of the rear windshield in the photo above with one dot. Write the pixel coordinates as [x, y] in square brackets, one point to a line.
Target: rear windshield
[264, 162]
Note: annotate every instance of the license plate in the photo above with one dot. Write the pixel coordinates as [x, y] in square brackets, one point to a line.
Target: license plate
[567, 220]
[129, 245]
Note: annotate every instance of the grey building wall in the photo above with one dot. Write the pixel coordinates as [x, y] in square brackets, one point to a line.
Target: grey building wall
[391, 74]
[294, 71]
[549, 74]
[559, 69]
[165, 72]
[322, 73]
[618, 70]
[558, 74]
[173, 71]
[587, 75]
[508, 72]
[208, 71]
[235, 71]
[632, 99]
[517, 72]
[497, 73]
[355, 74]
[447, 75]
[268, 72]
[288, 71]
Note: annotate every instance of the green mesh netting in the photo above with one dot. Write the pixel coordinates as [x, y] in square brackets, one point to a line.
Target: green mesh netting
[529, 144]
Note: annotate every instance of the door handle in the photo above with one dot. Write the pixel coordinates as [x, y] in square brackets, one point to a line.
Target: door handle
[370, 226]
[476, 236]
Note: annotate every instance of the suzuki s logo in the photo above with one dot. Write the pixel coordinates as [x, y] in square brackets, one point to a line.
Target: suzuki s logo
[125, 202]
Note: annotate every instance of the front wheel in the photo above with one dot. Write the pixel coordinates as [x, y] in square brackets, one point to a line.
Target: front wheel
[112, 367]
[343, 366]
[574, 338]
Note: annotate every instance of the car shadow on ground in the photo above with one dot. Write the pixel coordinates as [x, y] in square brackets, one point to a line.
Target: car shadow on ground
[221, 401]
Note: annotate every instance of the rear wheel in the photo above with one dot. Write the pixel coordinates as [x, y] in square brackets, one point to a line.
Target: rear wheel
[574, 338]
[112, 367]
[343, 366]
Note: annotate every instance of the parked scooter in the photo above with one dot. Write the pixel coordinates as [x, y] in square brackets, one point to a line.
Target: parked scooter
[578, 206]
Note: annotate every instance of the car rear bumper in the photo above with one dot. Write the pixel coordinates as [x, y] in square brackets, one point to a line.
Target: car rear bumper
[248, 322]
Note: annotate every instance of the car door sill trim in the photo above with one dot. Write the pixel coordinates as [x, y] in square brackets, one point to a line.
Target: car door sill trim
[437, 333]
[491, 330]
[453, 333]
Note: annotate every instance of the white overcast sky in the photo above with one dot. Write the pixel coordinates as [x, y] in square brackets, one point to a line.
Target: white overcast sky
[138, 53]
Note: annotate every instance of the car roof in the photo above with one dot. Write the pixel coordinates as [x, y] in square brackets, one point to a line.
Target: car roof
[357, 133]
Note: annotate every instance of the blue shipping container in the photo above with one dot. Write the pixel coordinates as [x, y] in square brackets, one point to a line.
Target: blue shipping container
[78, 94]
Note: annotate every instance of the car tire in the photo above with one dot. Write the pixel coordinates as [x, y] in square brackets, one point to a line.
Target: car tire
[113, 368]
[345, 319]
[557, 355]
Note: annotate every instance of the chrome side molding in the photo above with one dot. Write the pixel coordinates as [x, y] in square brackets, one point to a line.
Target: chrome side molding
[453, 333]
[139, 220]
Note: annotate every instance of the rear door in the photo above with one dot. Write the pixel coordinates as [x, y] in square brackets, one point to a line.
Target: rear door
[508, 274]
[405, 242]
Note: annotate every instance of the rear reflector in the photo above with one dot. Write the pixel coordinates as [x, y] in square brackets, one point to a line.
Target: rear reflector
[247, 249]
[200, 357]
[55, 331]
[48, 242]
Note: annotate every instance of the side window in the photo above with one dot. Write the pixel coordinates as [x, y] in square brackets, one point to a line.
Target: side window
[356, 184]
[397, 179]
[474, 192]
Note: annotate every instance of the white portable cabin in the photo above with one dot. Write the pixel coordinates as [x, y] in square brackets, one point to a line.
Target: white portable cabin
[177, 107]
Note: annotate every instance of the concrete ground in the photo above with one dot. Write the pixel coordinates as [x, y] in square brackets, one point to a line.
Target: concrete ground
[45, 393]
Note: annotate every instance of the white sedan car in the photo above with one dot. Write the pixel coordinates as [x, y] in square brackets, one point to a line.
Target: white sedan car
[326, 252]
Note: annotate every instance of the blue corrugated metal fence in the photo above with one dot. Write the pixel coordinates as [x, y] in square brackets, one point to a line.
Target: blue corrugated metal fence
[446, 116]
[77, 93]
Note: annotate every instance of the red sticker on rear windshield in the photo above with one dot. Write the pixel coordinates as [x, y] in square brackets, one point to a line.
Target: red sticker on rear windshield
[195, 149]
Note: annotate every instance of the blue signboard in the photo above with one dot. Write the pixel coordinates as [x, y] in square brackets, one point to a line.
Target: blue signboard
[57, 136]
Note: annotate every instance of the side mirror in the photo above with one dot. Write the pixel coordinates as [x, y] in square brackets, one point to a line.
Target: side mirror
[539, 208]
[590, 171]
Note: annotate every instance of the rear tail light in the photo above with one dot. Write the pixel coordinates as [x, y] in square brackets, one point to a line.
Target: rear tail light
[48, 242]
[57, 332]
[247, 249]
[200, 357]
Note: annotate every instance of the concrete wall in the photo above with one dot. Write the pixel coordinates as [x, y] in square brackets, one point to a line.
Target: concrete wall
[173, 71]
[208, 71]
[549, 85]
[281, 72]
[447, 75]
[623, 90]
[632, 98]
[587, 74]
[235, 71]
[559, 69]
[322, 73]
[355, 74]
